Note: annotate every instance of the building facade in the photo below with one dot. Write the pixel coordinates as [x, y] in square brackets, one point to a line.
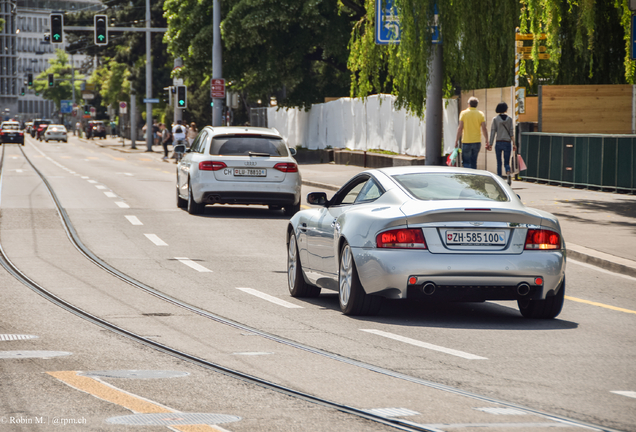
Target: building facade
[24, 50]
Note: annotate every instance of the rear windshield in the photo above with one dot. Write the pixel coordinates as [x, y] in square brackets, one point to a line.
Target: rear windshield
[244, 145]
[449, 186]
[56, 128]
[11, 126]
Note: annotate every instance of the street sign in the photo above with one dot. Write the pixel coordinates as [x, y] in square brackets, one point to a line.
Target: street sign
[123, 108]
[387, 23]
[528, 49]
[93, 111]
[528, 56]
[217, 88]
[529, 36]
[633, 44]
[66, 106]
[88, 95]
[152, 100]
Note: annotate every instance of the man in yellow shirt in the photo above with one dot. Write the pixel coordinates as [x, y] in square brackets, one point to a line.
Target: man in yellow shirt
[470, 122]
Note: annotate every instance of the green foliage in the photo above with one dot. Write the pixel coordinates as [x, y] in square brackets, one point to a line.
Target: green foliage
[62, 72]
[111, 81]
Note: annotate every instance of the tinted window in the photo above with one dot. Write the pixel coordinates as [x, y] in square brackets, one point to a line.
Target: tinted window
[442, 186]
[244, 145]
[10, 126]
[369, 192]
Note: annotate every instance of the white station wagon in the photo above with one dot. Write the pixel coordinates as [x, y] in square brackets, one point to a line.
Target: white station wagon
[238, 165]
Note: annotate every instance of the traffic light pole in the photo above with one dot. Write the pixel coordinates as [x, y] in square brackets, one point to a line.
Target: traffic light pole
[149, 132]
[217, 61]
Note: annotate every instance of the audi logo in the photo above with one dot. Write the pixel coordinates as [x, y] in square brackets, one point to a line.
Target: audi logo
[250, 163]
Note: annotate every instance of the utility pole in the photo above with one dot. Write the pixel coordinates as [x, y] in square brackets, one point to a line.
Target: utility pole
[149, 134]
[434, 100]
[133, 117]
[178, 112]
[217, 62]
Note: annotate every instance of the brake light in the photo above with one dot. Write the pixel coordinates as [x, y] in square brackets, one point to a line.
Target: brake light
[411, 238]
[211, 165]
[286, 167]
[542, 239]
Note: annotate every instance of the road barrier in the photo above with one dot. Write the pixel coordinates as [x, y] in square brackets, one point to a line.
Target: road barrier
[591, 160]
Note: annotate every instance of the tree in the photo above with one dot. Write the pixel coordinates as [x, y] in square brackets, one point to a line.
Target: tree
[62, 72]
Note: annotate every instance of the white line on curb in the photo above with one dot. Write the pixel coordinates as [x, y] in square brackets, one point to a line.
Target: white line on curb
[420, 344]
[270, 298]
[192, 264]
[156, 240]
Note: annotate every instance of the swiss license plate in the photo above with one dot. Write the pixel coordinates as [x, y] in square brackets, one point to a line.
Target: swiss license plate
[250, 172]
[475, 238]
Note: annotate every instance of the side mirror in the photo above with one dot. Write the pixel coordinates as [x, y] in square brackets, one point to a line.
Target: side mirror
[317, 198]
[292, 151]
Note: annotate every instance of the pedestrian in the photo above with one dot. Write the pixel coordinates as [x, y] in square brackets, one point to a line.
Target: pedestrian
[501, 127]
[78, 129]
[471, 121]
[192, 133]
[166, 140]
[178, 135]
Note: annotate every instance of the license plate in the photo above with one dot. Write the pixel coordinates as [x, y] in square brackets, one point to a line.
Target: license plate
[250, 172]
[475, 238]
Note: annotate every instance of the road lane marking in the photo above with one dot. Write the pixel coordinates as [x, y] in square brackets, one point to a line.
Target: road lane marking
[137, 404]
[19, 171]
[593, 267]
[101, 187]
[156, 240]
[122, 204]
[421, 344]
[630, 394]
[134, 220]
[110, 194]
[92, 181]
[192, 264]
[600, 305]
[270, 298]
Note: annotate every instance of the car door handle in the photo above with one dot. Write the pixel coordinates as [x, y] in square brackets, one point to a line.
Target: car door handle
[333, 224]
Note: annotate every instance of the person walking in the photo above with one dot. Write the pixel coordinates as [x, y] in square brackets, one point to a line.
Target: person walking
[471, 122]
[501, 127]
[192, 133]
[179, 134]
[166, 140]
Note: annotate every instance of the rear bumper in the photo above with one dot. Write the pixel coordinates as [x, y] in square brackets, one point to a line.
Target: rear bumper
[459, 277]
[263, 198]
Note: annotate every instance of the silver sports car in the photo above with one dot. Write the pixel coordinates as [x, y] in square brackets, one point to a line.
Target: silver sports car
[430, 233]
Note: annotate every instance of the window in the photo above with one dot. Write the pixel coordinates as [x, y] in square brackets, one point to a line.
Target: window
[369, 192]
[451, 186]
[198, 146]
[248, 145]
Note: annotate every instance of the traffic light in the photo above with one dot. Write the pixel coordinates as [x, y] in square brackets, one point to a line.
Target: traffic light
[57, 28]
[30, 80]
[182, 96]
[51, 80]
[87, 109]
[101, 30]
[22, 91]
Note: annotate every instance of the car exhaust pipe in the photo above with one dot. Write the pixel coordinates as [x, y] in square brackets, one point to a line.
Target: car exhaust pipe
[523, 289]
[429, 288]
[215, 198]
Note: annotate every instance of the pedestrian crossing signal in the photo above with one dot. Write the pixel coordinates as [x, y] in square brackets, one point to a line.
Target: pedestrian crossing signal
[101, 30]
[57, 28]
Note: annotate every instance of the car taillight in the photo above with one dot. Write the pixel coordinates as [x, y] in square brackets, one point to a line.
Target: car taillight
[411, 238]
[286, 167]
[542, 239]
[211, 166]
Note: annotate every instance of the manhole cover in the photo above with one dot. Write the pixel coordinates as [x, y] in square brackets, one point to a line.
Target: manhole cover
[136, 374]
[167, 419]
[31, 354]
[13, 337]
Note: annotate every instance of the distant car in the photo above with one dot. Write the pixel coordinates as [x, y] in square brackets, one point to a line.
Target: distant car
[437, 233]
[36, 125]
[55, 132]
[238, 165]
[10, 133]
[98, 129]
[28, 126]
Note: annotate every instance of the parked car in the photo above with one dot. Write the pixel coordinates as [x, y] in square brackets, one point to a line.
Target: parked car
[439, 233]
[238, 165]
[55, 132]
[10, 133]
[98, 128]
[36, 125]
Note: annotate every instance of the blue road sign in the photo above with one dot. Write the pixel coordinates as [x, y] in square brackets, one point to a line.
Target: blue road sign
[66, 106]
[633, 37]
[387, 23]
[153, 100]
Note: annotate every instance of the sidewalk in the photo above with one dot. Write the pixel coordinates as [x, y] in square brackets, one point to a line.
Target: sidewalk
[599, 227]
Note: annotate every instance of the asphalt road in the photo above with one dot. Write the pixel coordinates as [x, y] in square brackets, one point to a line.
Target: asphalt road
[455, 367]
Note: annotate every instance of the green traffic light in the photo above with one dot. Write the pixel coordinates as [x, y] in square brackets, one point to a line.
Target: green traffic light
[181, 102]
[56, 36]
[101, 37]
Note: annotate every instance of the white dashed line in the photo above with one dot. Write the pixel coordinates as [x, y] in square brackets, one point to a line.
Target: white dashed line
[192, 264]
[270, 298]
[421, 344]
[84, 177]
[156, 240]
[92, 181]
[122, 204]
[101, 187]
[631, 394]
[19, 171]
[134, 220]
[110, 194]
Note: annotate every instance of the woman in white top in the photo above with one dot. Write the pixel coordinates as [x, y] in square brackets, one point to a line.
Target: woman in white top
[502, 128]
[192, 133]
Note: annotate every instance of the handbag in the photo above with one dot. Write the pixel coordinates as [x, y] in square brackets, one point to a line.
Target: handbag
[521, 163]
